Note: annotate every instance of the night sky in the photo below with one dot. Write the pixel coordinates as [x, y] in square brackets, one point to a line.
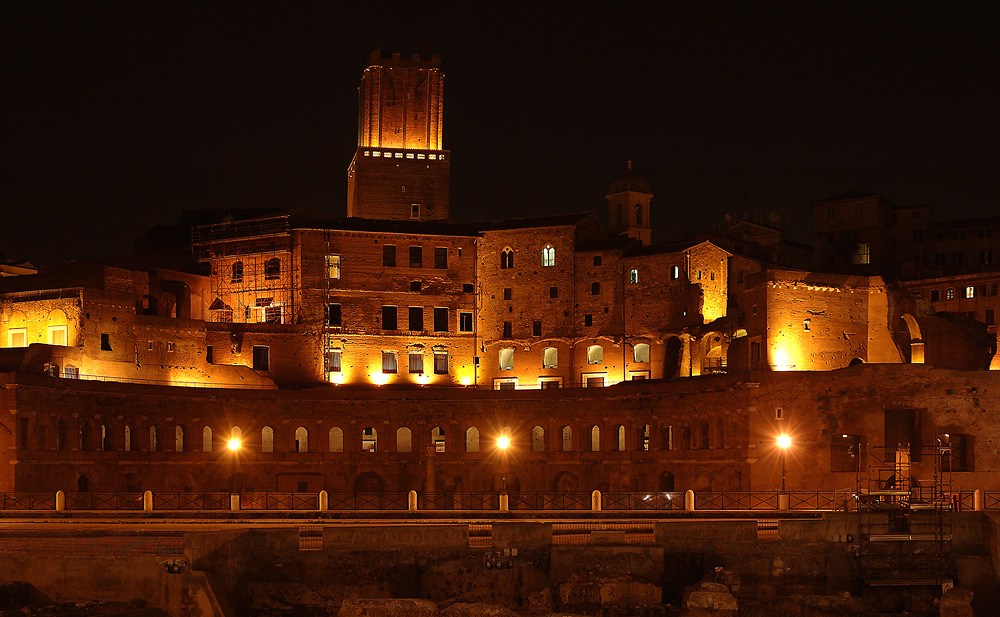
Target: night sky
[117, 118]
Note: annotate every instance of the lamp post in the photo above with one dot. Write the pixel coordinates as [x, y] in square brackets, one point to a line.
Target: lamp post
[234, 445]
[503, 442]
[784, 441]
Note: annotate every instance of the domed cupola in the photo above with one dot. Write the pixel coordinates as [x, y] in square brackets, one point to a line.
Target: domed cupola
[628, 206]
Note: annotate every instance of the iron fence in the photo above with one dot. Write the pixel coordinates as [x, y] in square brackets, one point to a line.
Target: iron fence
[104, 501]
[28, 501]
[279, 501]
[991, 500]
[819, 500]
[191, 501]
[367, 501]
[550, 501]
[632, 502]
[731, 500]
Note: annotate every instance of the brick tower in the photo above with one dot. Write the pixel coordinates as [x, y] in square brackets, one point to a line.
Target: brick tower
[400, 169]
[628, 207]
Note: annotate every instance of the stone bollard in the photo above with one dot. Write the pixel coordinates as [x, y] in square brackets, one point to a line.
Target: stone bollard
[147, 501]
[411, 501]
[595, 501]
[60, 501]
[782, 501]
[504, 502]
[689, 501]
[324, 501]
[234, 502]
[977, 500]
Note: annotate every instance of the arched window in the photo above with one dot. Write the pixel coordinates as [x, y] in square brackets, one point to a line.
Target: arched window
[595, 289]
[640, 352]
[178, 438]
[566, 439]
[237, 272]
[703, 434]
[236, 433]
[619, 214]
[104, 438]
[638, 214]
[301, 439]
[537, 439]
[272, 268]
[472, 439]
[595, 354]
[83, 437]
[267, 439]
[206, 439]
[595, 438]
[83, 484]
[437, 439]
[369, 439]
[549, 255]
[128, 438]
[336, 439]
[550, 357]
[507, 259]
[621, 437]
[720, 433]
[644, 437]
[633, 276]
[152, 439]
[668, 437]
[404, 439]
[675, 273]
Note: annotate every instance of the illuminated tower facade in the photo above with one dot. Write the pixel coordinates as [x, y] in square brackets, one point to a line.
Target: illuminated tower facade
[628, 207]
[400, 169]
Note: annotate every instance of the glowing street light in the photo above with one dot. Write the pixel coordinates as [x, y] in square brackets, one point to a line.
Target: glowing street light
[234, 445]
[784, 442]
[503, 444]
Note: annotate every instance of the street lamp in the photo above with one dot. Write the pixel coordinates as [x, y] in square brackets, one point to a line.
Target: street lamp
[503, 442]
[234, 445]
[784, 441]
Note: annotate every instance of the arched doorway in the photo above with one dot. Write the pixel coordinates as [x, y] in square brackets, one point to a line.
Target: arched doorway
[671, 357]
[909, 339]
[666, 482]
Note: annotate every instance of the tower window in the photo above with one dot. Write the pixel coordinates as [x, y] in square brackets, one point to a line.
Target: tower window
[333, 315]
[595, 289]
[415, 211]
[553, 292]
[389, 362]
[440, 319]
[507, 292]
[465, 322]
[507, 259]
[441, 258]
[416, 256]
[638, 214]
[261, 358]
[619, 214]
[633, 276]
[536, 327]
[675, 273]
[333, 266]
[597, 260]
[506, 359]
[549, 255]
[507, 329]
[389, 318]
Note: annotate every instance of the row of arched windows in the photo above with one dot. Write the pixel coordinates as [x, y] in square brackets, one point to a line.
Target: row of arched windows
[699, 436]
[272, 270]
[548, 257]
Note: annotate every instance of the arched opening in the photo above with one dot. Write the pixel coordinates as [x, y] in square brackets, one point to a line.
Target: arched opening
[856, 362]
[666, 482]
[336, 439]
[369, 440]
[152, 439]
[178, 438]
[61, 435]
[83, 484]
[621, 437]
[720, 433]
[437, 439]
[236, 274]
[272, 268]
[566, 439]
[472, 439]
[404, 439]
[301, 439]
[369, 482]
[206, 439]
[550, 357]
[703, 440]
[131, 483]
[267, 439]
[714, 362]
[537, 439]
[909, 339]
[565, 482]
[671, 357]
[104, 438]
[640, 353]
[506, 259]
[83, 437]
[595, 354]
[128, 438]
[595, 438]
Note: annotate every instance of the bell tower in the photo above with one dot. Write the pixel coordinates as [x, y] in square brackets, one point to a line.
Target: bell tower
[400, 169]
[628, 207]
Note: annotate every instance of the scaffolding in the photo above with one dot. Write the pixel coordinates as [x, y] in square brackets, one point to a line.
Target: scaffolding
[904, 554]
[253, 278]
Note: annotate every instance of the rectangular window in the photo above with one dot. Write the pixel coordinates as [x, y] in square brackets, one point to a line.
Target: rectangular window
[416, 318]
[59, 335]
[333, 317]
[958, 457]
[970, 291]
[333, 266]
[553, 292]
[901, 433]
[918, 235]
[440, 319]
[986, 256]
[845, 452]
[506, 359]
[831, 213]
[105, 342]
[861, 255]
[389, 362]
[508, 293]
[935, 295]
[990, 290]
[441, 258]
[588, 320]
[507, 329]
[209, 354]
[261, 358]
[414, 210]
[990, 317]
[389, 255]
[755, 355]
[415, 285]
[467, 288]
[440, 362]
[18, 337]
[465, 322]
[536, 327]
[389, 318]
[949, 294]
[416, 256]
[416, 364]
[333, 360]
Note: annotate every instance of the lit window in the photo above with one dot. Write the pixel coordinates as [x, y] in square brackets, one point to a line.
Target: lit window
[333, 266]
[333, 360]
[440, 362]
[949, 294]
[595, 354]
[970, 291]
[861, 255]
[506, 359]
[389, 362]
[675, 273]
[465, 322]
[261, 358]
[633, 276]
[641, 352]
[17, 337]
[416, 363]
[59, 335]
[549, 255]
[550, 357]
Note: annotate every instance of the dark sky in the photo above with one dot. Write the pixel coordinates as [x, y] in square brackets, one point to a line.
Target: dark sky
[119, 116]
